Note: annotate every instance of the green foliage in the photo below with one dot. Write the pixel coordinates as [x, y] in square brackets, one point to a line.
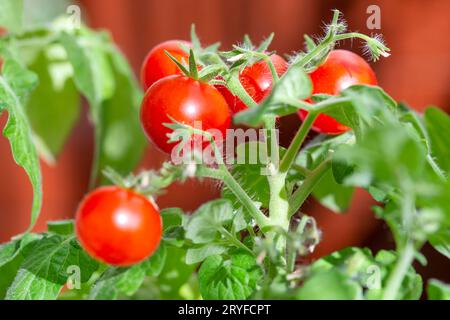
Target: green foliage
[353, 273]
[437, 290]
[126, 281]
[55, 99]
[44, 270]
[40, 87]
[437, 124]
[16, 83]
[227, 279]
[212, 230]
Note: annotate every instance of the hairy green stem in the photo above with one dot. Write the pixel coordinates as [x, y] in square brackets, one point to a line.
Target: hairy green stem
[236, 88]
[436, 167]
[300, 195]
[272, 68]
[294, 147]
[234, 186]
[395, 279]
[244, 198]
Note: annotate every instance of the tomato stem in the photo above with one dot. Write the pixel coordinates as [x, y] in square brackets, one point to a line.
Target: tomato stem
[236, 88]
[395, 279]
[294, 147]
[244, 198]
[235, 241]
[272, 141]
[300, 195]
[272, 68]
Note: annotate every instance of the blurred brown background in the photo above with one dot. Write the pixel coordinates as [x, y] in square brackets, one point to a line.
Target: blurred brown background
[417, 72]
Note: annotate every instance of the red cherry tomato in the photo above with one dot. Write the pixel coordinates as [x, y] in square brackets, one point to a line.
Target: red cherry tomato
[118, 226]
[341, 70]
[257, 81]
[185, 100]
[158, 65]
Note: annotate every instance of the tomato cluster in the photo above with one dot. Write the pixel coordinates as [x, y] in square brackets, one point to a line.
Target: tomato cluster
[122, 227]
[187, 100]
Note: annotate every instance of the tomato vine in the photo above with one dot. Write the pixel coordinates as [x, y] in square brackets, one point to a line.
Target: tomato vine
[251, 241]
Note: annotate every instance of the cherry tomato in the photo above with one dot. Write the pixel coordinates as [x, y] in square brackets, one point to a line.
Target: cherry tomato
[341, 70]
[187, 101]
[158, 65]
[257, 81]
[118, 226]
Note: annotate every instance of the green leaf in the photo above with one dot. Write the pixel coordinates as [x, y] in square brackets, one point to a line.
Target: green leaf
[172, 217]
[10, 250]
[358, 266]
[173, 221]
[441, 242]
[332, 195]
[329, 285]
[294, 85]
[92, 73]
[438, 290]
[438, 126]
[118, 280]
[44, 270]
[370, 106]
[205, 224]
[11, 257]
[63, 227]
[229, 279]
[174, 275]
[16, 83]
[387, 153]
[196, 255]
[11, 15]
[155, 264]
[99, 68]
[54, 107]
[121, 141]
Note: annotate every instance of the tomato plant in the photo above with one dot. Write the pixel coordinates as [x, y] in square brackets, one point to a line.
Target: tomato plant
[118, 226]
[341, 69]
[252, 242]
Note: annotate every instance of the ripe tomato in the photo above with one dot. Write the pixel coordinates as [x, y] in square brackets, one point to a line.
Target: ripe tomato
[341, 70]
[118, 226]
[185, 100]
[158, 65]
[257, 81]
